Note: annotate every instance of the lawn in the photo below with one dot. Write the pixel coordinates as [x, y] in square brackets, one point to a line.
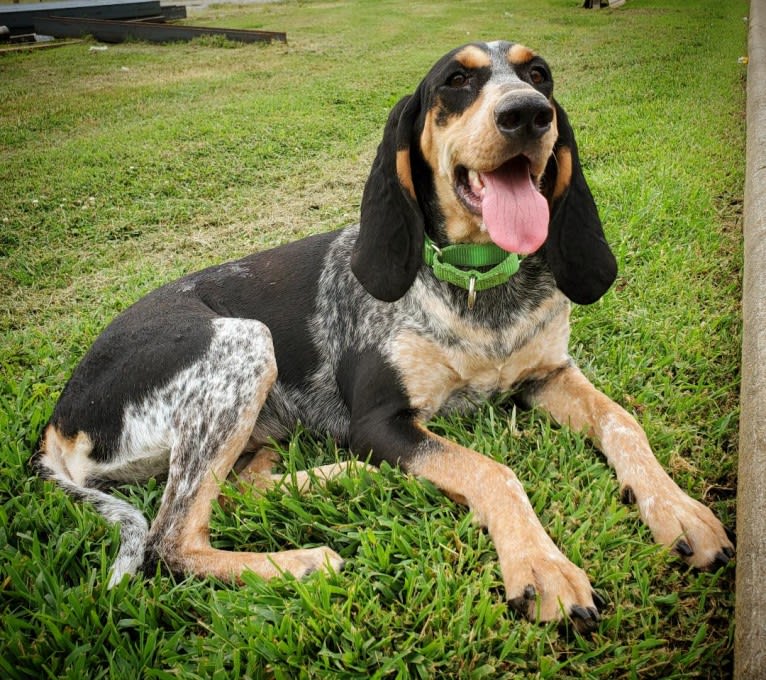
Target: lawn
[125, 168]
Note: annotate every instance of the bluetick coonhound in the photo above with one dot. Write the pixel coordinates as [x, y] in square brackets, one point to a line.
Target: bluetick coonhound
[367, 332]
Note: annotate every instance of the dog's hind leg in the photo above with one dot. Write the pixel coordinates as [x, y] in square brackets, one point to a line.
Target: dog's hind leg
[213, 420]
[258, 475]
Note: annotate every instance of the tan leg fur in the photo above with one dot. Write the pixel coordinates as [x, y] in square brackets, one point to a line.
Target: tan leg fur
[673, 517]
[258, 474]
[539, 580]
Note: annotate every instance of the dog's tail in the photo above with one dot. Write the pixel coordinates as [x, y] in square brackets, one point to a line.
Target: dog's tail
[49, 461]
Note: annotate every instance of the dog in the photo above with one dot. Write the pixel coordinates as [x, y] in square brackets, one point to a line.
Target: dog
[477, 232]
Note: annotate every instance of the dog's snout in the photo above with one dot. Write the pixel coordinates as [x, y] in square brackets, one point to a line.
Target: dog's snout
[524, 116]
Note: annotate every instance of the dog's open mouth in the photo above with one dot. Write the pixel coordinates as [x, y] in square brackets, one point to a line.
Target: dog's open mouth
[513, 211]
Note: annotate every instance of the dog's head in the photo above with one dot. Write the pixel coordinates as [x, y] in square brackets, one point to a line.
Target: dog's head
[481, 152]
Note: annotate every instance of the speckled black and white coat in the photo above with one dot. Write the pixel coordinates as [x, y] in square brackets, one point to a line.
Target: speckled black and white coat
[350, 334]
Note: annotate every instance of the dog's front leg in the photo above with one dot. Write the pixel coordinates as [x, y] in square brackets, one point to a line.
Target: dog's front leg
[539, 581]
[675, 519]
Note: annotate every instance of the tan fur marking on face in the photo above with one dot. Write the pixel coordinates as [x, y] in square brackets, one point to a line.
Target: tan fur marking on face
[404, 171]
[520, 54]
[473, 140]
[435, 146]
[564, 174]
[473, 57]
[427, 141]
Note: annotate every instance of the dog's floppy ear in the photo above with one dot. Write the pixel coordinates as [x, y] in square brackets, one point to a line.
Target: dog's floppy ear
[576, 249]
[389, 249]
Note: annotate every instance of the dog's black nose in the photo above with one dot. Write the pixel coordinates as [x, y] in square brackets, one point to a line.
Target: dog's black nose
[524, 116]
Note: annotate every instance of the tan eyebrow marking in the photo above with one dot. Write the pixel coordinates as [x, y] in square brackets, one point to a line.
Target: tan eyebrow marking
[520, 54]
[473, 57]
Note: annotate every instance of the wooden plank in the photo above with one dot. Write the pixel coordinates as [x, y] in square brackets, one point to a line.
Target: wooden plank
[118, 31]
[22, 38]
[28, 47]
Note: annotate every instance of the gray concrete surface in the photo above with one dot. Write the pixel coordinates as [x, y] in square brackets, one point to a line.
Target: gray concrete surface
[193, 6]
[750, 632]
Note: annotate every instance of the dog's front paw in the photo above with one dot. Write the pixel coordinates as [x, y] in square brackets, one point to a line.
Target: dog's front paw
[546, 586]
[686, 526]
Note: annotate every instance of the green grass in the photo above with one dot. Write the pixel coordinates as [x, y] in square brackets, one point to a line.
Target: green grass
[121, 170]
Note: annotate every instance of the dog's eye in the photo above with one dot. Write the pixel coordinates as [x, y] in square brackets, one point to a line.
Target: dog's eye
[538, 75]
[457, 80]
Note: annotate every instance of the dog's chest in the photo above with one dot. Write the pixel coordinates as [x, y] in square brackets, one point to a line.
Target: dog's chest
[441, 375]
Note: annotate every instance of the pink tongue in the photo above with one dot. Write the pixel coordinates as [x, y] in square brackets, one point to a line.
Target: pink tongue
[514, 211]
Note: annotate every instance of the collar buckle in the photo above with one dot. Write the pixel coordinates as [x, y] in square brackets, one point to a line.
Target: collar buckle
[471, 292]
[430, 244]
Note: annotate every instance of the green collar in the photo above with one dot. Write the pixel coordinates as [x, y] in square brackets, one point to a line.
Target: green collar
[445, 262]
